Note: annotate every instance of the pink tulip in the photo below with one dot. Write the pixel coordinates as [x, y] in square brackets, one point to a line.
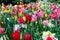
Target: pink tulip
[59, 10]
[1, 30]
[54, 16]
[13, 13]
[45, 22]
[52, 5]
[40, 14]
[22, 10]
[56, 11]
[34, 18]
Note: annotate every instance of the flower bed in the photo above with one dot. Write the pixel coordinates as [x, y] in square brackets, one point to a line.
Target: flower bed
[33, 21]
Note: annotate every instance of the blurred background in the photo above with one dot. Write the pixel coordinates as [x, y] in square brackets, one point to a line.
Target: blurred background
[24, 1]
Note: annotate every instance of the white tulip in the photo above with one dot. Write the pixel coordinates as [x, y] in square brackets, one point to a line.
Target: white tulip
[16, 27]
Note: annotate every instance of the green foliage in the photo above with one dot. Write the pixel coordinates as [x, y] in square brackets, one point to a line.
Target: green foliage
[57, 1]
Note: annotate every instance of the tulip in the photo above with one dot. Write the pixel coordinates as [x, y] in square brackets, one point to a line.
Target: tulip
[1, 30]
[45, 22]
[16, 27]
[46, 15]
[24, 18]
[22, 10]
[15, 18]
[20, 14]
[40, 14]
[16, 35]
[27, 37]
[2, 4]
[21, 20]
[13, 13]
[28, 17]
[54, 16]
[48, 36]
[56, 11]
[52, 5]
[51, 38]
[34, 18]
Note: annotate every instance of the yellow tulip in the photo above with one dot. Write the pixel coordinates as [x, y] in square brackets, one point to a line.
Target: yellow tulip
[20, 6]
[15, 18]
[46, 15]
[6, 11]
[46, 18]
[20, 14]
[2, 4]
[24, 18]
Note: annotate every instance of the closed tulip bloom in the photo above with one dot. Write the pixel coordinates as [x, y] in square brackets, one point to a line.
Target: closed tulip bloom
[34, 18]
[45, 22]
[27, 37]
[54, 16]
[40, 14]
[21, 20]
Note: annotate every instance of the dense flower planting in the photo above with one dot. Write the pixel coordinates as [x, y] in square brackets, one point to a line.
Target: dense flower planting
[33, 21]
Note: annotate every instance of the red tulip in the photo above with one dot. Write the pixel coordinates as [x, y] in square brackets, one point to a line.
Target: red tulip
[49, 38]
[25, 5]
[16, 35]
[27, 37]
[28, 17]
[54, 8]
[21, 20]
